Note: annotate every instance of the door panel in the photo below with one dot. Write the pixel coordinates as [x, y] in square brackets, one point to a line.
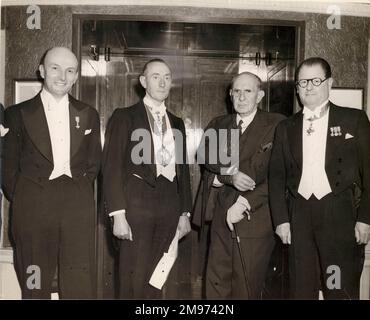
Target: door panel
[203, 59]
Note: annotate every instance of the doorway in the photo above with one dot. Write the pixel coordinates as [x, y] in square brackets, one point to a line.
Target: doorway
[203, 56]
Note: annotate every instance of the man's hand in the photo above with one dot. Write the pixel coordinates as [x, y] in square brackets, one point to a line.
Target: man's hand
[362, 233]
[283, 231]
[242, 182]
[183, 226]
[235, 214]
[121, 228]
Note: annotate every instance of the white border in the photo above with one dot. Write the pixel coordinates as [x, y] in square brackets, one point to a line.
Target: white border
[2, 223]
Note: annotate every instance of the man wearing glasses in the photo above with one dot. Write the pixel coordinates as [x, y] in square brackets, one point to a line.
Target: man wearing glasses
[319, 184]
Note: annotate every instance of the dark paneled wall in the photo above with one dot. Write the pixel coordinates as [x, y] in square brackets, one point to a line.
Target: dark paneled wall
[346, 49]
[25, 47]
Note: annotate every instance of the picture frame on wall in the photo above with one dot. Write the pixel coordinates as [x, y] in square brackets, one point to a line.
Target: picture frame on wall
[348, 97]
[25, 89]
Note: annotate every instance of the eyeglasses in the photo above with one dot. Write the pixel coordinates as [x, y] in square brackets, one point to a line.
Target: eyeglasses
[303, 83]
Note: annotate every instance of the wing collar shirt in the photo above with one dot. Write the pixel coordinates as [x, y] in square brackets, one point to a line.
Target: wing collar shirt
[314, 180]
[57, 117]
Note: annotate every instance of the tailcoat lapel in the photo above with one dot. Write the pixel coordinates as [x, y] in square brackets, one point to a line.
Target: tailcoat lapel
[332, 142]
[295, 138]
[78, 123]
[36, 125]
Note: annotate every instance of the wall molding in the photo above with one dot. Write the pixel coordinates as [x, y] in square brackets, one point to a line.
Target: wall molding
[350, 8]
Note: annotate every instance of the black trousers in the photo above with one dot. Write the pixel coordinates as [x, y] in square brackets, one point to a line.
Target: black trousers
[53, 229]
[153, 215]
[324, 254]
[224, 274]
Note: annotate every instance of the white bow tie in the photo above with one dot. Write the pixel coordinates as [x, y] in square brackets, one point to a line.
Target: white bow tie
[158, 112]
[309, 114]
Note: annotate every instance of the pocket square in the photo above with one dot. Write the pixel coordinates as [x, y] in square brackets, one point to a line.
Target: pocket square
[266, 147]
[88, 131]
[348, 136]
[3, 131]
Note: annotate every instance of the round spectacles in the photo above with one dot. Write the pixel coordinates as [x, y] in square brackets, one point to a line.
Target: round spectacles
[303, 83]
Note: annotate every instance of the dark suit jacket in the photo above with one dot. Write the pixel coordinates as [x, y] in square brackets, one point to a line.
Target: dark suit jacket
[347, 161]
[118, 166]
[28, 149]
[254, 154]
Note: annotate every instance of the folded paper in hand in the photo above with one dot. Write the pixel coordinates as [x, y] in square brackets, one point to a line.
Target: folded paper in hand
[164, 266]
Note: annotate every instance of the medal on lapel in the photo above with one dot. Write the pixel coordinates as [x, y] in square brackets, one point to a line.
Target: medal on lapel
[335, 131]
[310, 130]
[77, 118]
[164, 156]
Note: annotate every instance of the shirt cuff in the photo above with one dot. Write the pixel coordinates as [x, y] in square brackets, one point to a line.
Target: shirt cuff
[114, 213]
[186, 214]
[244, 202]
[216, 183]
[234, 169]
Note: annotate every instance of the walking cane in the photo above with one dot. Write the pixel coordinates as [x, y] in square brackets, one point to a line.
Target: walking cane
[242, 260]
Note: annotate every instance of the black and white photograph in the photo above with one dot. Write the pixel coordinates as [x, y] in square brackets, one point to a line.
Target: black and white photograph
[207, 151]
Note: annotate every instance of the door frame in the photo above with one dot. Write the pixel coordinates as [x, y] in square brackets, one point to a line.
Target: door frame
[77, 20]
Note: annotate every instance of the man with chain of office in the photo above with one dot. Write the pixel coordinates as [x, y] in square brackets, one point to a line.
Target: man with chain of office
[149, 201]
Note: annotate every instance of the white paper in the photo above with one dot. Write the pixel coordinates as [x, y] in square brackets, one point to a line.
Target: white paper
[164, 266]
